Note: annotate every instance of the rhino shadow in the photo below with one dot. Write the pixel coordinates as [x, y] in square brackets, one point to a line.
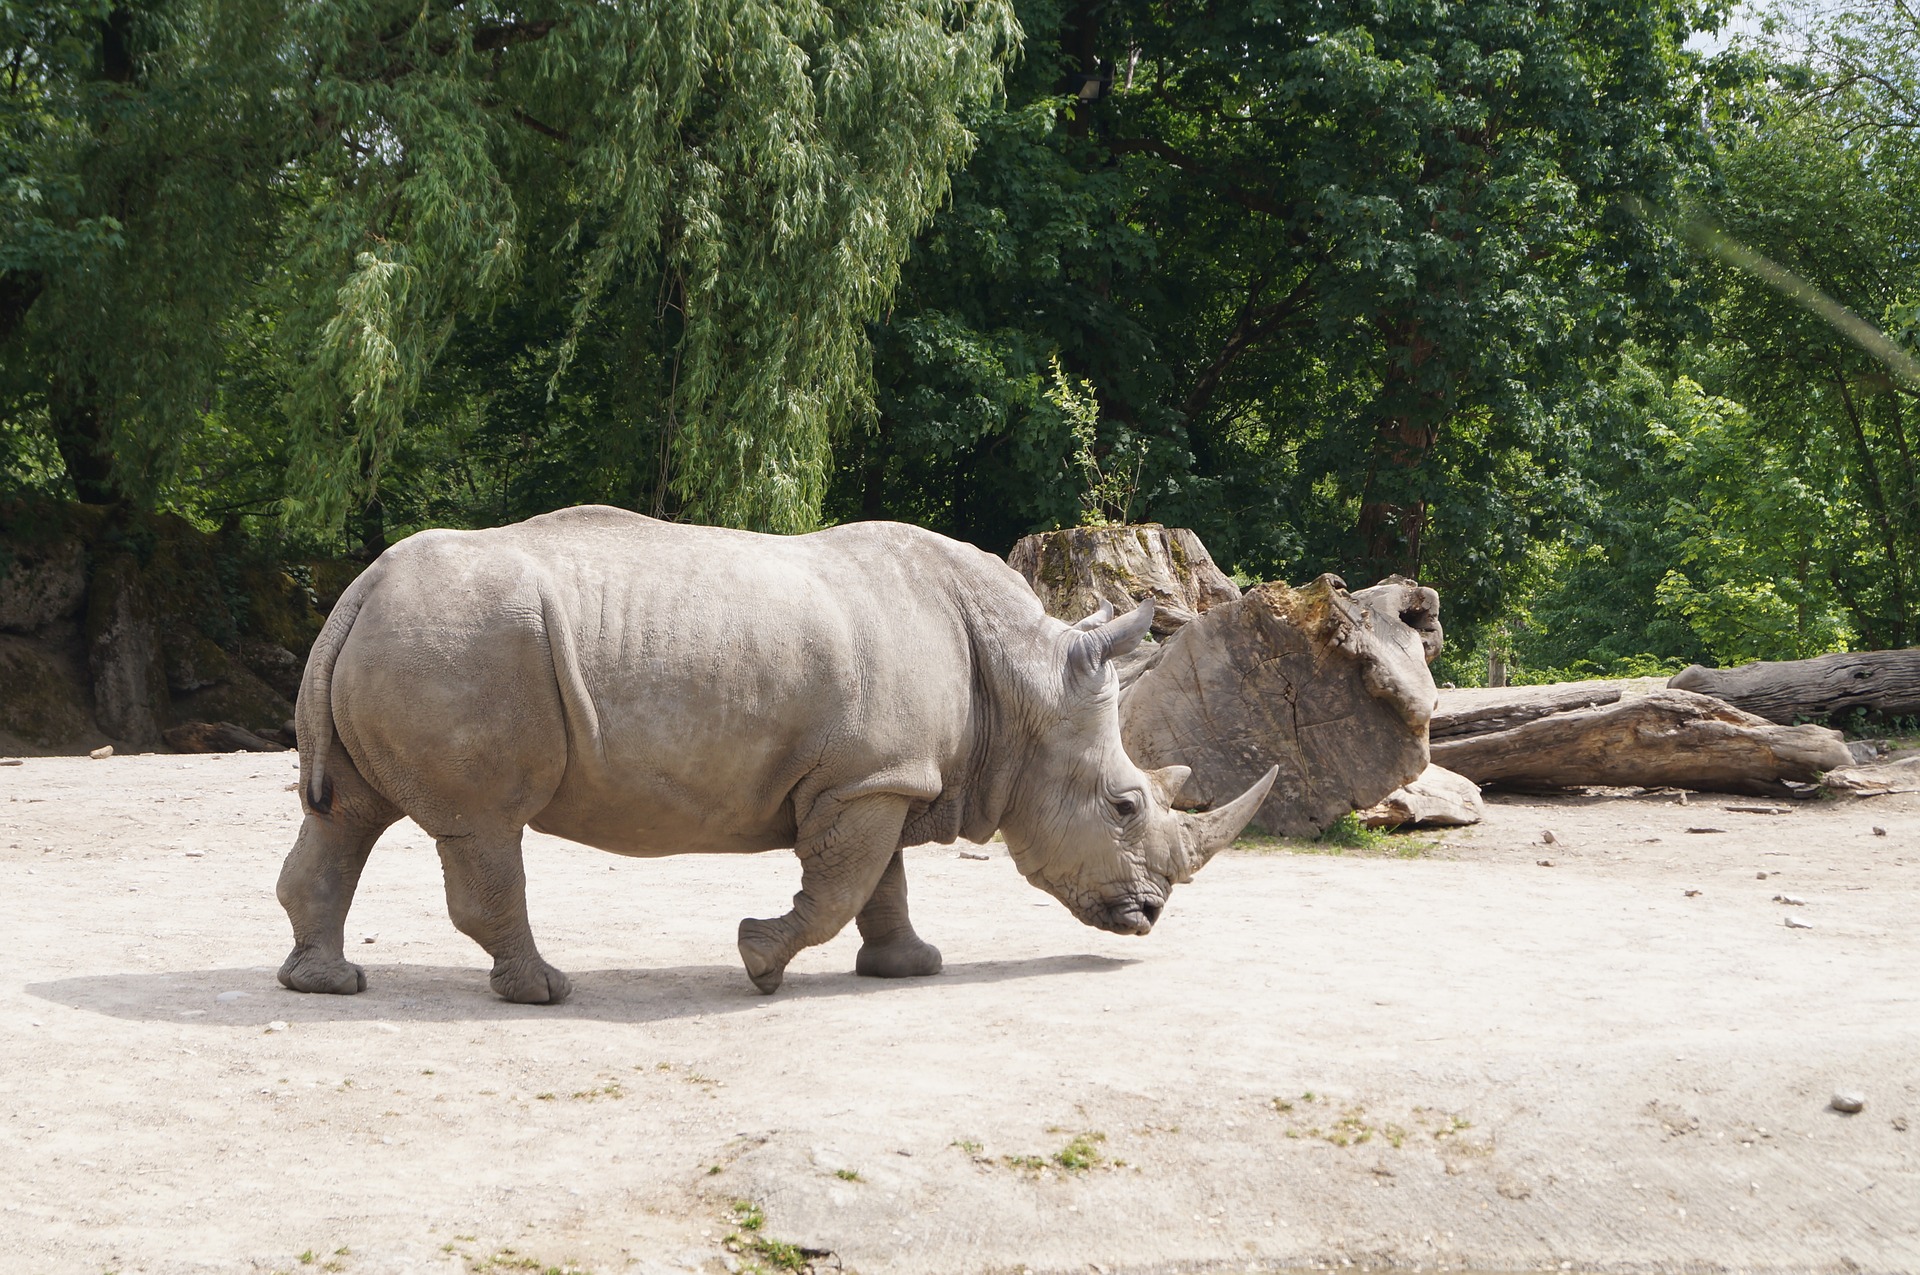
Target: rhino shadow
[402, 993]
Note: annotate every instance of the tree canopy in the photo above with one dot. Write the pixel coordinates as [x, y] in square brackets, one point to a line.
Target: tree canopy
[1597, 332]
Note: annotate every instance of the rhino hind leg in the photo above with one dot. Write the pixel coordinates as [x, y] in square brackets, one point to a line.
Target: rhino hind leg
[845, 847]
[487, 899]
[889, 948]
[316, 888]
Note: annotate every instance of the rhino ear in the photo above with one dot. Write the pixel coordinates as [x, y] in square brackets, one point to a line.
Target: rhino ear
[1100, 616]
[1092, 648]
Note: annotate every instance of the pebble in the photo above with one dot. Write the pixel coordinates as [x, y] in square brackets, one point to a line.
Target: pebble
[1795, 923]
[1759, 876]
[1878, 831]
[277, 1025]
[1545, 863]
[1548, 838]
[11, 761]
[968, 854]
[233, 996]
[369, 938]
[1692, 894]
[1791, 900]
[196, 854]
[1706, 830]
[1847, 1101]
[102, 753]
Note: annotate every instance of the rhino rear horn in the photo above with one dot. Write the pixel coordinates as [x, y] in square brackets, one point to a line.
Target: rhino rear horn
[1205, 834]
[1092, 648]
[1101, 614]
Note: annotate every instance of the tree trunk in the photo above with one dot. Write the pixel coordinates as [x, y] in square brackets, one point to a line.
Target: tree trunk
[80, 434]
[1884, 683]
[1669, 739]
[1075, 570]
[1333, 691]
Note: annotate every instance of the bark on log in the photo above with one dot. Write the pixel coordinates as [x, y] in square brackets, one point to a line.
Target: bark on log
[1476, 710]
[1074, 570]
[1667, 739]
[1335, 693]
[1885, 683]
[217, 737]
[1437, 799]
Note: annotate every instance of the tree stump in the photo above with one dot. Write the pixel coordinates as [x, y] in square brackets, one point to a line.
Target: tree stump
[1669, 738]
[1076, 569]
[1332, 691]
[1884, 683]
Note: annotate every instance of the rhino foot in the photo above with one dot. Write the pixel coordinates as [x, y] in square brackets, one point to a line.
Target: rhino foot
[529, 981]
[306, 970]
[759, 941]
[909, 957]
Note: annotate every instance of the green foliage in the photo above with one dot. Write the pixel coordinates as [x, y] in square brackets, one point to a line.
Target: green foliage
[351, 187]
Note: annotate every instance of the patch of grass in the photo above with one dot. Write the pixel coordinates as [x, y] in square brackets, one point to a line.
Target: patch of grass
[306, 1258]
[595, 1095]
[762, 1253]
[545, 1097]
[1031, 1163]
[967, 1145]
[713, 1169]
[847, 1175]
[1081, 1153]
[1347, 836]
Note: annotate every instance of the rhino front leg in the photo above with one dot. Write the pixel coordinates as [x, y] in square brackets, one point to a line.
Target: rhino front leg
[487, 899]
[316, 888]
[889, 947]
[844, 849]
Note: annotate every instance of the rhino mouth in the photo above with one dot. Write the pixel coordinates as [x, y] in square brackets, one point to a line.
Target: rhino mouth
[1134, 914]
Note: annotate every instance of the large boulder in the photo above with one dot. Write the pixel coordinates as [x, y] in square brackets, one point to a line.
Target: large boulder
[1076, 569]
[1334, 692]
[1437, 799]
[41, 584]
[40, 701]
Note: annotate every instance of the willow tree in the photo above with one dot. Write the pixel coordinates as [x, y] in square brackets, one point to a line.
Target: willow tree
[326, 192]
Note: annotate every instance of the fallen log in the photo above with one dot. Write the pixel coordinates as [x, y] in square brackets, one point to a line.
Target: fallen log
[1076, 569]
[1479, 710]
[1333, 692]
[1884, 683]
[1668, 739]
[217, 737]
[1438, 798]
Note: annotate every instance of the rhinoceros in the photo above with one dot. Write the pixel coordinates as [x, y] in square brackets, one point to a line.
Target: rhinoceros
[655, 688]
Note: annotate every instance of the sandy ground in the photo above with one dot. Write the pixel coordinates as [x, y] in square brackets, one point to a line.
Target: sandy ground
[1578, 1067]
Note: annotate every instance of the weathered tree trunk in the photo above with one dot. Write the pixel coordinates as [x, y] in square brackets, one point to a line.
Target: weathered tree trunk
[1076, 569]
[1885, 683]
[1437, 799]
[1483, 710]
[1333, 691]
[1671, 738]
[123, 653]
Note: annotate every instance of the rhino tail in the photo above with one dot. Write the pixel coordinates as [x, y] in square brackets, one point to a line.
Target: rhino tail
[576, 701]
[313, 713]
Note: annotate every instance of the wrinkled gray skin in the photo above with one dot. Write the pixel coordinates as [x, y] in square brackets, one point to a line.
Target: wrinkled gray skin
[652, 688]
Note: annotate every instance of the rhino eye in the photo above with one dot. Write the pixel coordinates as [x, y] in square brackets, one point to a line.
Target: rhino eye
[1124, 807]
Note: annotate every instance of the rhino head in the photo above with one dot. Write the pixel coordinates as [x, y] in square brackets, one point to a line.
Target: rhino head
[1087, 825]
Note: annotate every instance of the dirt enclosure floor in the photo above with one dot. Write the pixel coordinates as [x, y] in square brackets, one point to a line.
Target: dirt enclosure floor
[1464, 1059]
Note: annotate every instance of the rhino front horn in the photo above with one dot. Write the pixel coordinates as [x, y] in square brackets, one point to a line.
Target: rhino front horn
[1207, 833]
